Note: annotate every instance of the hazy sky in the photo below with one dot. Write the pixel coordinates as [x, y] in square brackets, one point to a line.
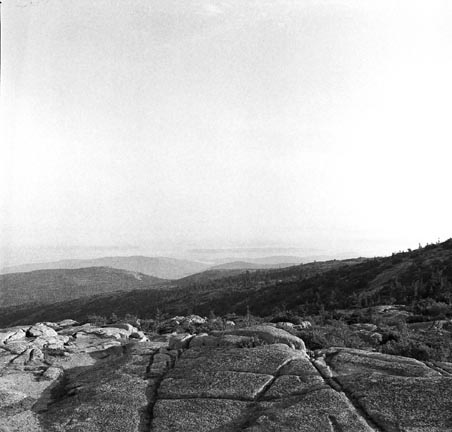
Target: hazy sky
[152, 125]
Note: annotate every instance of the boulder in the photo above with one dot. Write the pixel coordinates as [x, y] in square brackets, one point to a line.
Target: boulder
[52, 325]
[67, 323]
[41, 329]
[125, 326]
[284, 325]
[52, 342]
[91, 342]
[71, 331]
[105, 332]
[303, 325]
[349, 361]
[138, 335]
[270, 335]
[4, 335]
[109, 382]
[14, 335]
[52, 373]
[194, 320]
[206, 340]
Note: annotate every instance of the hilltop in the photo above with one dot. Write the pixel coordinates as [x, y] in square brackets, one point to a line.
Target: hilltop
[161, 267]
[41, 287]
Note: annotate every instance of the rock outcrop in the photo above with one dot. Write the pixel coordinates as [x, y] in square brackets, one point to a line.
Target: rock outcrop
[215, 386]
[254, 379]
[268, 334]
[37, 363]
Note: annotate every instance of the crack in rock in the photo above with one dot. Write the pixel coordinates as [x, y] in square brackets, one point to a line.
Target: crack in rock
[325, 372]
[437, 368]
[160, 363]
[261, 393]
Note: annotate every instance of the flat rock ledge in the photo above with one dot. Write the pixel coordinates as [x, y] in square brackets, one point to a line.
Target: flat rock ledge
[91, 379]
[220, 382]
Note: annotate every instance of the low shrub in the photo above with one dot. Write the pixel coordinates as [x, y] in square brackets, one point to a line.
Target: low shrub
[417, 318]
[287, 317]
[336, 333]
[97, 320]
[253, 342]
[408, 348]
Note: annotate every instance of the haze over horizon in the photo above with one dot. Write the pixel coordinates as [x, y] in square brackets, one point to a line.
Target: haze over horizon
[156, 127]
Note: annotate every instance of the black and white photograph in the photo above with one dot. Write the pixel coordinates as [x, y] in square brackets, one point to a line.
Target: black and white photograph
[226, 216]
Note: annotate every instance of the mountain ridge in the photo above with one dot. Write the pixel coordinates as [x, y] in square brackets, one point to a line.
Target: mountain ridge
[161, 267]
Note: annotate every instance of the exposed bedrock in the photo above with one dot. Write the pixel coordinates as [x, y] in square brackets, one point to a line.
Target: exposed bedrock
[57, 377]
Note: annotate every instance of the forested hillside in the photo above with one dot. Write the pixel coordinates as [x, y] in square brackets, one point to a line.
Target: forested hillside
[49, 286]
[415, 278]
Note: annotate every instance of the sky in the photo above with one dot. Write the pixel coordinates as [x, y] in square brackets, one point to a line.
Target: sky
[158, 126]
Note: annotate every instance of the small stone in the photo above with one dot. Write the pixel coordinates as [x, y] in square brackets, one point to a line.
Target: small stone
[52, 373]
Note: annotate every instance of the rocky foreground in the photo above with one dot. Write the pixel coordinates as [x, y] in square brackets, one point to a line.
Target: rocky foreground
[65, 377]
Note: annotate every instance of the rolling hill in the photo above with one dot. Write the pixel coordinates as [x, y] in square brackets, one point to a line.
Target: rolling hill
[412, 277]
[49, 286]
[161, 267]
[201, 292]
